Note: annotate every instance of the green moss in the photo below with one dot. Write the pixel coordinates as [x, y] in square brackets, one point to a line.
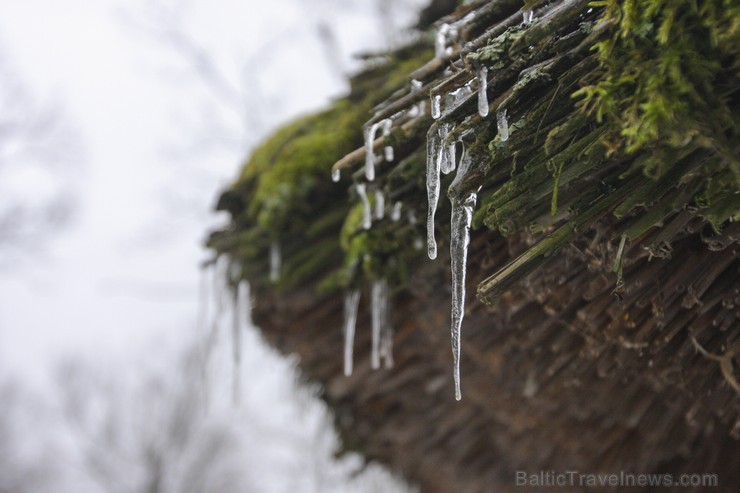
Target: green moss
[285, 193]
[495, 54]
[291, 169]
[670, 68]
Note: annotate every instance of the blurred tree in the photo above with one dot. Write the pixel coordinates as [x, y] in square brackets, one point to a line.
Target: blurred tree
[23, 469]
[39, 158]
[153, 436]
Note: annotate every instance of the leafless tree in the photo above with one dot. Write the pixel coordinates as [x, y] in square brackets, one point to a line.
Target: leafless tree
[152, 436]
[24, 467]
[39, 164]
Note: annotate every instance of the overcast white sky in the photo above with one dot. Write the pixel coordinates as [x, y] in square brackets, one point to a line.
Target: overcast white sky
[119, 284]
[126, 268]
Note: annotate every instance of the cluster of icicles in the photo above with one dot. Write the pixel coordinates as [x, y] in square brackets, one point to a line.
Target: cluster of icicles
[441, 159]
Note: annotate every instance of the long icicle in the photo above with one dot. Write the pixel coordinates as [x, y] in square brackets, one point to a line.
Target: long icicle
[462, 217]
[433, 169]
[351, 303]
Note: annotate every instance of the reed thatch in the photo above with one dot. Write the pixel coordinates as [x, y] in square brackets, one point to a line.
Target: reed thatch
[604, 333]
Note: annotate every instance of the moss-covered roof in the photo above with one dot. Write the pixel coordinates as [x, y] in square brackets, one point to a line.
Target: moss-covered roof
[605, 235]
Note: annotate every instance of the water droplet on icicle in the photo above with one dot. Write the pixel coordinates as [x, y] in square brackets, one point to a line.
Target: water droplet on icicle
[483, 91]
[351, 302]
[367, 219]
[276, 260]
[502, 121]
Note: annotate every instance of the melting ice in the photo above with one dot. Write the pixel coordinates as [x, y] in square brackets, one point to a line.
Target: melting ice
[336, 175]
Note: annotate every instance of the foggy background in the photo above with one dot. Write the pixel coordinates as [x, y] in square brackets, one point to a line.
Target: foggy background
[120, 121]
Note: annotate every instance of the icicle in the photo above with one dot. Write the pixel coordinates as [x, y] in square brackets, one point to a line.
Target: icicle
[379, 205]
[336, 175]
[388, 153]
[412, 217]
[462, 217]
[351, 302]
[503, 125]
[236, 342]
[433, 169]
[440, 43]
[482, 91]
[436, 106]
[388, 149]
[396, 212]
[369, 133]
[457, 97]
[527, 16]
[420, 107]
[445, 157]
[367, 218]
[379, 301]
[275, 262]
[451, 157]
[386, 335]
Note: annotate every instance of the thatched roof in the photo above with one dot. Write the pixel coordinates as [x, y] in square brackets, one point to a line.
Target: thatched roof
[603, 251]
